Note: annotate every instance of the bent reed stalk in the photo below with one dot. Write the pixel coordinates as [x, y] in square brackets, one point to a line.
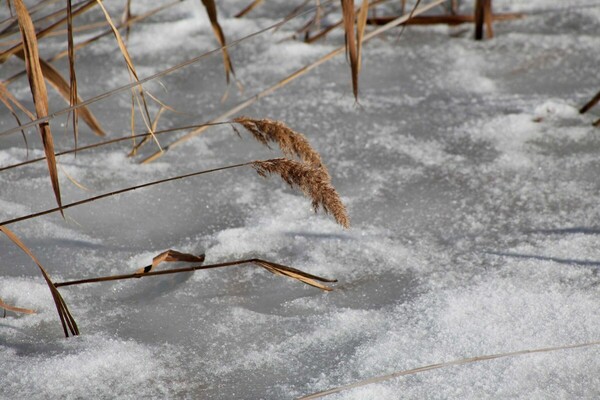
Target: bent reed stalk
[309, 179]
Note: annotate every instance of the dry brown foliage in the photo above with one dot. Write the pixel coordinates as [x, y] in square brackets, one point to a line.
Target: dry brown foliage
[38, 90]
[66, 319]
[170, 256]
[211, 10]
[314, 182]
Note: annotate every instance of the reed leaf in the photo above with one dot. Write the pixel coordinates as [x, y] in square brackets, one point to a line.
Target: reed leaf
[66, 319]
[211, 10]
[38, 90]
[351, 49]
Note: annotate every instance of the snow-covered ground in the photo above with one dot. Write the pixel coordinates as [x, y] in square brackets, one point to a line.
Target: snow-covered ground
[469, 175]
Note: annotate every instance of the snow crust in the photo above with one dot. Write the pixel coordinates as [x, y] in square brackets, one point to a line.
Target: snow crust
[470, 177]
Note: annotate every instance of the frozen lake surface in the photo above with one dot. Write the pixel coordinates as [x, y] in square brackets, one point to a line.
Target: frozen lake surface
[470, 178]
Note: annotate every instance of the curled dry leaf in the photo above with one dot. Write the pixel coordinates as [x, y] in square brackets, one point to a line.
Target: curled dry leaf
[294, 273]
[290, 142]
[314, 182]
[170, 256]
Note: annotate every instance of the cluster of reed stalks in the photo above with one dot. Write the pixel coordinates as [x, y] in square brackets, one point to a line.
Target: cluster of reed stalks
[302, 166]
[25, 30]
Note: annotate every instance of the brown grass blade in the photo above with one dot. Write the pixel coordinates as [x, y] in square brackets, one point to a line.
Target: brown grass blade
[66, 319]
[290, 142]
[170, 256]
[38, 90]
[211, 10]
[272, 267]
[314, 183]
[8, 307]
[248, 8]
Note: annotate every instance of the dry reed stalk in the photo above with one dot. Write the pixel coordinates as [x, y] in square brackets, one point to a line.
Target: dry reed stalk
[141, 100]
[277, 269]
[590, 104]
[298, 73]
[66, 319]
[211, 10]
[351, 49]
[248, 8]
[290, 142]
[321, 34]
[8, 307]
[108, 142]
[38, 90]
[431, 367]
[483, 16]
[314, 182]
[455, 19]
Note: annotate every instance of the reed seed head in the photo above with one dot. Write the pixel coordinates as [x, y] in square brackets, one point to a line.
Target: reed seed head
[314, 182]
[291, 143]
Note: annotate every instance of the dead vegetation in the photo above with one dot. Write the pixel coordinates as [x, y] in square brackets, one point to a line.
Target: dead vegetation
[303, 167]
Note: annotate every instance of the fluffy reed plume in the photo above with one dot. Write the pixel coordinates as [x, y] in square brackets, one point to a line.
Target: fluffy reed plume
[290, 142]
[314, 182]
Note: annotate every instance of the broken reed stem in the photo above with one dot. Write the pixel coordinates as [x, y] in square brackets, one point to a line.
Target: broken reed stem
[156, 75]
[431, 367]
[110, 194]
[251, 100]
[256, 261]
